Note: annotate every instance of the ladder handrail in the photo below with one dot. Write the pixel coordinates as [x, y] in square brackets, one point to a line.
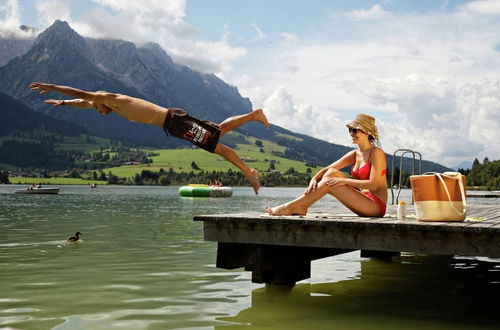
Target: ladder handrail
[404, 152]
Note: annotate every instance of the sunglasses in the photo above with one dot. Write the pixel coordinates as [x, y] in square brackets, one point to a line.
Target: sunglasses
[354, 130]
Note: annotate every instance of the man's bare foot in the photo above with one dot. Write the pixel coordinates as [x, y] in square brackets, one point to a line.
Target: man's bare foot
[253, 178]
[284, 209]
[260, 116]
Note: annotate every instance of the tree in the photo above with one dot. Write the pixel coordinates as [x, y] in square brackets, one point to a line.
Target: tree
[258, 143]
[4, 177]
[112, 179]
[195, 166]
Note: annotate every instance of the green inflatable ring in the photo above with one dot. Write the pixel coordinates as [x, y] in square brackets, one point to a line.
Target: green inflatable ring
[205, 191]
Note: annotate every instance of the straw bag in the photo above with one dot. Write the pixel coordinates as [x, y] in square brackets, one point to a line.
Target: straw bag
[439, 197]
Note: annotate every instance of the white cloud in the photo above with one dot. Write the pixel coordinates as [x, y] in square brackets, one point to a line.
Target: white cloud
[376, 12]
[259, 34]
[281, 109]
[163, 22]
[487, 7]
[441, 119]
[160, 21]
[430, 80]
[10, 20]
[51, 10]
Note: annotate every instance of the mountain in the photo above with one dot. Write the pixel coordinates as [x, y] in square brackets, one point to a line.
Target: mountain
[12, 46]
[463, 165]
[60, 55]
[18, 119]
[28, 137]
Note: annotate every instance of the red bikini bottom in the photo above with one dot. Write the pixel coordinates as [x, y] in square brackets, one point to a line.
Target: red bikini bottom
[380, 204]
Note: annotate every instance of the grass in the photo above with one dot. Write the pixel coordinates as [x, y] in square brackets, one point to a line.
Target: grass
[179, 160]
[82, 143]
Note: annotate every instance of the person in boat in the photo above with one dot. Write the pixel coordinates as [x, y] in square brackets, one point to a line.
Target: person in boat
[177, 122]
[365, 192]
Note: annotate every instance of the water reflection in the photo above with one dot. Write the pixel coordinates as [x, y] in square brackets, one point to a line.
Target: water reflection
[411, 292]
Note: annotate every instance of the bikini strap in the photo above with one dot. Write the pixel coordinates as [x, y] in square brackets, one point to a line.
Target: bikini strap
[370, 156]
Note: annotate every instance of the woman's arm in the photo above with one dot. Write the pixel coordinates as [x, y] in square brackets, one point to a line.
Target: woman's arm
[346, 160]
[377, 174]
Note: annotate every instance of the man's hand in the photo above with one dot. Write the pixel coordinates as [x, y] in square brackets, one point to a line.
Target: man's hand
[55, 103]
[43, 88]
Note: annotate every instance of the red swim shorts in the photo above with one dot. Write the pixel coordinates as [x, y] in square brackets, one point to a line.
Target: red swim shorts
[202, 133]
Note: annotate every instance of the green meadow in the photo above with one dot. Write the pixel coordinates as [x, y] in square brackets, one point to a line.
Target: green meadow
[180, 160]
[258, 155]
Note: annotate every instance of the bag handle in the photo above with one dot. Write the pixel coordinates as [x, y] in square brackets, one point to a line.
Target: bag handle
[457, 176]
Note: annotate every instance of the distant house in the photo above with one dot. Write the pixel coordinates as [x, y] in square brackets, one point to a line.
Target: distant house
[248, 159]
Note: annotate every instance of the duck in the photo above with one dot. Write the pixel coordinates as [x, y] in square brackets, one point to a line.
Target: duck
[75, 238]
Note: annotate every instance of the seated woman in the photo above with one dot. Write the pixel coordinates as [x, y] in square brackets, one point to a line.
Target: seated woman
[365, 193]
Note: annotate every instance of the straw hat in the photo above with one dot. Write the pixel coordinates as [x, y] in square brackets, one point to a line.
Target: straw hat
[366, 124]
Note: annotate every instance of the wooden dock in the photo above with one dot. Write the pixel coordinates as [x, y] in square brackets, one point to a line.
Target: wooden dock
[279, 249]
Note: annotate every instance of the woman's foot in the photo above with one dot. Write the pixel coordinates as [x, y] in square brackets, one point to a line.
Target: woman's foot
[261, 117]
[285, 209]
[253, 178]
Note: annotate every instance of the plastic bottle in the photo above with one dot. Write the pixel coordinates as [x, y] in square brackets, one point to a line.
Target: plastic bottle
[401, 210]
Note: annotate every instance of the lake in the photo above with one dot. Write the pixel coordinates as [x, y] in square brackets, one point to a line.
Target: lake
[142, 264]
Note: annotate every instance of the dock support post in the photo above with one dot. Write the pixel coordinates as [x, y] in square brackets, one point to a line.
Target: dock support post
[272, 264]
[381, 255]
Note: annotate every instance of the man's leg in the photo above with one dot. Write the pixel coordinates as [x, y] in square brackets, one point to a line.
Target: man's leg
[250, 173]
[233, 122]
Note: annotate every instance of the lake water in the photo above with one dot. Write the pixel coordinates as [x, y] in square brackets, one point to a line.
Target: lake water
[142, 264]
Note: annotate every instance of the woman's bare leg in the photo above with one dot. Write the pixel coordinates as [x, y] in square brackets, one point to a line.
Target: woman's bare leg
[300, 205]
[233, 122]
[250, 173]
[352, 198]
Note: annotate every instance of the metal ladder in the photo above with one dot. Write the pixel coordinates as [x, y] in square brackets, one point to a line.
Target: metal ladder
[403, 152]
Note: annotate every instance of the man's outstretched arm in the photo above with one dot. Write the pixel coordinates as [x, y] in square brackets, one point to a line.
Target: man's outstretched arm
[76, 103]
[132, 108]
[75, 93]
[80, 104]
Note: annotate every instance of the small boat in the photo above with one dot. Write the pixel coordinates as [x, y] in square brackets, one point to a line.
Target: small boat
[201, 190]
[37, 191]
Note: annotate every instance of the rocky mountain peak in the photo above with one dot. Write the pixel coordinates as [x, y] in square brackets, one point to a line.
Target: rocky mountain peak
[62, 35]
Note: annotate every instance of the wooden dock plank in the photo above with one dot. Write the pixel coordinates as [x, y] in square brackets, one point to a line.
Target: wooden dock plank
[324, 230]
[278, 249]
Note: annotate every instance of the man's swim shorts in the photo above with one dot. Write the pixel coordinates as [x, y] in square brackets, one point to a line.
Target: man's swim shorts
[202, 133]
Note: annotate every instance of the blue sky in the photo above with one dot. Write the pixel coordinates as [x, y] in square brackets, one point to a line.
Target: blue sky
[427, 70]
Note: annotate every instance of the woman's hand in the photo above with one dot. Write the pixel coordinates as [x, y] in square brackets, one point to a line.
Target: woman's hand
[313, 184]
[43, 88]
[335, 182]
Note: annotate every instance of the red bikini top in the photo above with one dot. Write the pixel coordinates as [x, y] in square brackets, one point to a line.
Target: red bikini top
[363, 173]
